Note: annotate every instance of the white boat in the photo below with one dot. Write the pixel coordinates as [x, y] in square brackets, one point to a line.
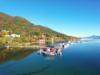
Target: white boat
[50, 53]
[43, 51]
[66, 45]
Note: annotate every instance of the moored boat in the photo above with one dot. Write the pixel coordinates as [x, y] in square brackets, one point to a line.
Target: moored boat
[50, 51]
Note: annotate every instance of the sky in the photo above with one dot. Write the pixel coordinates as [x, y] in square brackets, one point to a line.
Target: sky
[71, 17]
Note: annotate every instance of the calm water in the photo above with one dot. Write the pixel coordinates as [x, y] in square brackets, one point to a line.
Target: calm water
[78, 59]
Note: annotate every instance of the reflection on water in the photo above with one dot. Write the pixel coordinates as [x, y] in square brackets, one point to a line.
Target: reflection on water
[78, 59]
[14, 54]
[17, 54]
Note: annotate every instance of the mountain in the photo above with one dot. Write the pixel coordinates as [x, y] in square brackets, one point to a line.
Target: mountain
[93, 37]
[19, 25]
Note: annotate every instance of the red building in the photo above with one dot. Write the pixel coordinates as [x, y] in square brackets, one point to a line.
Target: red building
[41, 40]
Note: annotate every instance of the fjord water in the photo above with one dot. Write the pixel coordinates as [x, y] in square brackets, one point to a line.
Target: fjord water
[78, 59]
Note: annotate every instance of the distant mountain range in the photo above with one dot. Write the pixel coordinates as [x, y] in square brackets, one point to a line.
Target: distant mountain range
[19, 25]
[92, 37]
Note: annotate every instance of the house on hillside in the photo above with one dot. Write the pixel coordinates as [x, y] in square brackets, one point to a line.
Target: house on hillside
[3, 33]
[13, 35]
[42, 40]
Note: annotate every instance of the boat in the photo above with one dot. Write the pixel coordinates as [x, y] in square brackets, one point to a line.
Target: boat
[67, 45]
[50, 51]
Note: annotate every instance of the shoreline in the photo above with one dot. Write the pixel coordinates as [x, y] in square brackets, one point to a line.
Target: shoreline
[33, 46]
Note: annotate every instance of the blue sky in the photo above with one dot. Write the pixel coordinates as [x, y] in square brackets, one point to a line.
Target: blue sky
[72, 17]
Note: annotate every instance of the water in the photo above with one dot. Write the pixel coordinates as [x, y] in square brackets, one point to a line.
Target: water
[78, 59]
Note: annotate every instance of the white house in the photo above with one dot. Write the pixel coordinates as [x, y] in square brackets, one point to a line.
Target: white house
[13, 35]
